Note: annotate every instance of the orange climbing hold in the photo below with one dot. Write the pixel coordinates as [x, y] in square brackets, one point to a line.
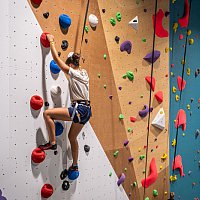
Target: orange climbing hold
[159, 96]
[148, 79]
[178, 165]
[153, 175]
[181, 83]
[181, 119]
[160, 31]
[183, 21]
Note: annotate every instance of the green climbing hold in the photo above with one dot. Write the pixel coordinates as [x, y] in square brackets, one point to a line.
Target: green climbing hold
[142, 157]
[99, 75]
[147, 198]
[105, 56]
[130, 75]
[135, 183]
[105, 86]
[119, 16]
[112, 21]
[144, 39]
[130, 130]
[110, 174]
[86, 29]
[121, 116]
[124, 76]
[155, 193]
[125, 169]
[116, 153]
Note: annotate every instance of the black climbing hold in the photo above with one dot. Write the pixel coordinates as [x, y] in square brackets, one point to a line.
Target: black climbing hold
[167, 13]
[55, 152]
[103, 10]
[46, 15]
[86, 40]
[86, 148]
[65, 185]
[145, 10]
[117, 39]
[59, 53]
[64, 45]
[46, 104]
[63, 174]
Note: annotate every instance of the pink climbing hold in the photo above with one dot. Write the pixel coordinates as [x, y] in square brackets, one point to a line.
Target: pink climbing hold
[178, 165]
[43, 39]
[181, 83]
[153, 175]
[181, 36]
[160, 31]
[183, 21]
[181, 119]
[159, 96]
[148, 79]
[133, 119]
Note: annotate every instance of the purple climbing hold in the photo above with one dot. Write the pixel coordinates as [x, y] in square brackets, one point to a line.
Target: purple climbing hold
[2, 197]
[149, 56]
[130, 159]
[145, 111]
[126, 46]
[126, 142]
[121, 179]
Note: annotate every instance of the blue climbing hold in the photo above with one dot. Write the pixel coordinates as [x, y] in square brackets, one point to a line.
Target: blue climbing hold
[65, 21]
[59, 128]
[72, 175]
[54, 67]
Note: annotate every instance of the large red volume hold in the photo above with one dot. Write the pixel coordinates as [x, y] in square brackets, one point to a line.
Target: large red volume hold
[181, 119]
[153, 175]
[183, 21]
[38, 155]
[46, 191]
[178, 165]
[148, 79]
[43, 39]
[181, 83]
[37, 2]
[160, 31]
[36, 102]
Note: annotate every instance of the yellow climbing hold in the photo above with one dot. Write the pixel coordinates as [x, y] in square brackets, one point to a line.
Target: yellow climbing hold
[175, 26]
[191, 41]
[183, 62]
[165, 193]
[139, 149]
[164, 156]
[174, 121]
[166, 50]
[188, 106]
[188, 71]
[177, 97]
[189, 32]
[183, 134]
[173, 178]
[173, 1]
[174, 142]
[170, 48]
[174, 89]
[161, 167]
[171, 73]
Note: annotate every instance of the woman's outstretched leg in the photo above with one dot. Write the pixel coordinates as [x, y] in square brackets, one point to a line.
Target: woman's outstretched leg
[73, 133]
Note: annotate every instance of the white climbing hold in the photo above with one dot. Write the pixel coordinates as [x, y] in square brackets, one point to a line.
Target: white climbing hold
[93, 20]
[159, 120]
[70, 54]
[55, 91]
[134, 23]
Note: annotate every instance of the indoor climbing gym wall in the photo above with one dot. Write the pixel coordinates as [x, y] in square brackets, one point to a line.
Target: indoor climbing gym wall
[184, 99]
[124, 149]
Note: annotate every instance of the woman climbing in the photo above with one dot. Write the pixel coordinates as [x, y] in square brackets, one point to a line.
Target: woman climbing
[80, 110]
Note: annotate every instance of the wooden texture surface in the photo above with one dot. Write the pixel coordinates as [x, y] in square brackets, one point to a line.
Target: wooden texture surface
[110, 130]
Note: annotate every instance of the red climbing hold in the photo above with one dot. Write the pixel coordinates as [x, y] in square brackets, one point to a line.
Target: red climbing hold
[133, 119]
[153, 175]
[159, 96]
[36, 102]
[183, 21]
[160, 31]
[181, 83]
[181, 119]
[148, 79]
[178, 165]
[46, 191]
[37, 2]
[44, 41]
[38, 155]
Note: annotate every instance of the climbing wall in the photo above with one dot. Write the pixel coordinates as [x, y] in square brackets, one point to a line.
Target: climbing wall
[25, 72]
[186, 187]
